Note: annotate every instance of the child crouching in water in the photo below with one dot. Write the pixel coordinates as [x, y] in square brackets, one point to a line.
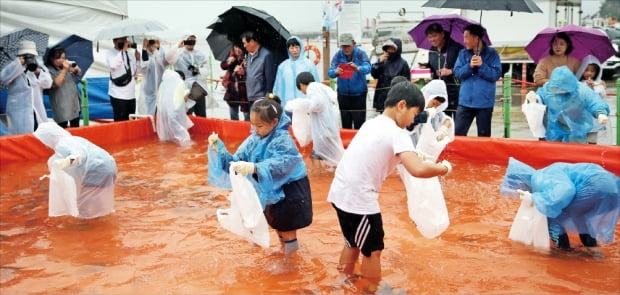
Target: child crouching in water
[270, 156]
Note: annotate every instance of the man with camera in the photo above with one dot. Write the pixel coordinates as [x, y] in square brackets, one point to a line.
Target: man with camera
[122, 86]
[64, 96]
[26, 78]
[154, 64]
[192, 63]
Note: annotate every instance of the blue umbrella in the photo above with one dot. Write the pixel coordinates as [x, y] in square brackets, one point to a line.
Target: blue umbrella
[77, 49]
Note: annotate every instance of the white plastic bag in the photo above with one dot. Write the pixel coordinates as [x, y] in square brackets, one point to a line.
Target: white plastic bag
[534, 114]
[530, 226]
[302, 127]
[62, 193]
[245, 216]
[428, 144]
[427, 207]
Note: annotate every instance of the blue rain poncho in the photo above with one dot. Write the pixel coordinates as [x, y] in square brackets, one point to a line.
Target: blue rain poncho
[172, 121]
[90, 191]
[322, 105]
[285, 84]
[581, 198]
[152, 71]
[276, 157]
[571, 107]
[25, 95]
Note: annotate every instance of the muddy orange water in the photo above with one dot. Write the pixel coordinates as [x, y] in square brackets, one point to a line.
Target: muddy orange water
[164, 238]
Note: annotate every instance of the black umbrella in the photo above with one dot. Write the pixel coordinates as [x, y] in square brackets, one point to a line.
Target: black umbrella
[238, 19]
[505, 5]
[9, 45]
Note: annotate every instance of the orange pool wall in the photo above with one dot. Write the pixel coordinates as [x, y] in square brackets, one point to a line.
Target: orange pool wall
[536, 153]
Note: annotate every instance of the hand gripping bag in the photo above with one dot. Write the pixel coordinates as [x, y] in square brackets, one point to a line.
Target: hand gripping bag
[245, 216]
[530, 226]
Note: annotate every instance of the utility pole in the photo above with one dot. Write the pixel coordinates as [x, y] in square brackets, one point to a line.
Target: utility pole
[326, 54]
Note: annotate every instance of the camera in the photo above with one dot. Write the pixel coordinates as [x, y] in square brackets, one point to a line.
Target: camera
[193, 69]
[72, 63]
[134, 45]
[151, 42]
[31, 62]
[189, 42]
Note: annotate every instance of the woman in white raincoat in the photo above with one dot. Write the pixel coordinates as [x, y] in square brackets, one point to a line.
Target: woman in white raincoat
[320, 104]
[82, 174]
[152, 67]
[171, 121]
[26, 80]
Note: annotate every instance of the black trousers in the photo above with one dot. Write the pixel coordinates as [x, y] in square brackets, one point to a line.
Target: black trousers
[122, 108]
[352, 110]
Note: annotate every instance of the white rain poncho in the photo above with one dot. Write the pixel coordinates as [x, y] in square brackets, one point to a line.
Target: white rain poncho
[85, 187]
[172, 121]
[433, 147]
[579, 197]
[598, 88]
[321, 104]
[152, 71]
[572, 107]
[425, 200]
[25, 94]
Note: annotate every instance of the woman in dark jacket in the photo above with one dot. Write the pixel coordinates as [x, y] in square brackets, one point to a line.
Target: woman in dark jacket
[390, 65]
[234, 81]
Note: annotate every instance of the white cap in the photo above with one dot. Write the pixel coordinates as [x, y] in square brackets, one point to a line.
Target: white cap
[27, 47]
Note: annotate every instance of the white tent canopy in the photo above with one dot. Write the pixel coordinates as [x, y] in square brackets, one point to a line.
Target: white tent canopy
[61, 18]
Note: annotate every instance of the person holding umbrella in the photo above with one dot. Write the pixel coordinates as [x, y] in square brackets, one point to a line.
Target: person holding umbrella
[561, 47]
[441, 59]
[261, 67]
[63, 94]
[477, 67]
[26, 79]
[122, 86]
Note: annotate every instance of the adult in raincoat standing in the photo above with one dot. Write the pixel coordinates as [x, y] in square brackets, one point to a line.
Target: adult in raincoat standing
[284, 85]
[152, 67]
[571, 107]
[389, 65]
[82, 174]
[26, 78]
[579, 198]
[193, 64]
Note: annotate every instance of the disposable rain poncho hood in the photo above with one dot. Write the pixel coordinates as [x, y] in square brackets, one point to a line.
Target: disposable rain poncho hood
[434, 88]
[172, 121]
[285, 84]
[87, 183]
[571, 107]
[321, 103]
[275, 155]
[581, 197]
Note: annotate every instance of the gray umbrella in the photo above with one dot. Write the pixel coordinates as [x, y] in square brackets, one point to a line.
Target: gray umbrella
[9, 45]
[505, 5]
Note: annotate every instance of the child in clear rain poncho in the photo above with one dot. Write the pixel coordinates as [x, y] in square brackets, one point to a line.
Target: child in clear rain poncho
[436, 99]
[572, 107]
[580, 198]
[172, 121]
[318, 107]
[270, 158]
[82, 175]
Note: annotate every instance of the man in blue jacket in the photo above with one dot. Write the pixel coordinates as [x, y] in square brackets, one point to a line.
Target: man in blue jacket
[478, 68]
[350, 65]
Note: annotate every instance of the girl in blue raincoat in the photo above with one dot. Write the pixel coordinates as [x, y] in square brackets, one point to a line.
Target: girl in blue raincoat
[572, 107]
[270, 156]
[580, 198]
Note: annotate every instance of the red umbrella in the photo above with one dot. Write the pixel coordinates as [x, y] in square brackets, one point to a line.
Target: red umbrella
[585, 42]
